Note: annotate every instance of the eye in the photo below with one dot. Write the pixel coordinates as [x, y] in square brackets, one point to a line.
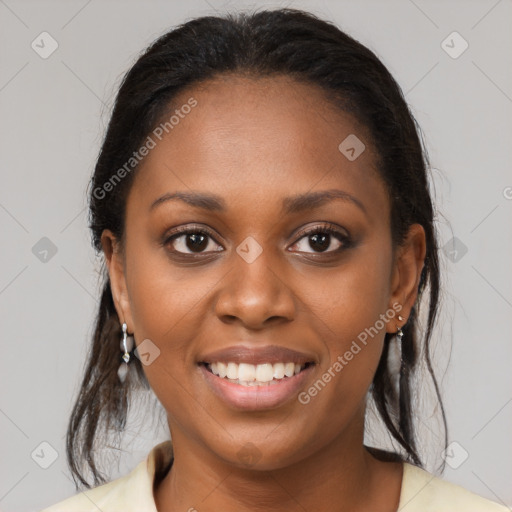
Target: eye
[321, 239]
[190, 240]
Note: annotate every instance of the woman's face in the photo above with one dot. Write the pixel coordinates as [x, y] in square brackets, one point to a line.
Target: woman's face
[257, 290]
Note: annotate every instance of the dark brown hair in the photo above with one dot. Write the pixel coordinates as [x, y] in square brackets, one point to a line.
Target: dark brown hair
[264, 43]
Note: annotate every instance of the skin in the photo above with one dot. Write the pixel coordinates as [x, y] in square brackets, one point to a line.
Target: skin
[255, 142]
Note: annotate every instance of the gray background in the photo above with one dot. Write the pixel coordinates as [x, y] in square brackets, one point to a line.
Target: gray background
[53, 113]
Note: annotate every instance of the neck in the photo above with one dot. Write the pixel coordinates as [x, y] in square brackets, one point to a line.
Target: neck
[343, 475]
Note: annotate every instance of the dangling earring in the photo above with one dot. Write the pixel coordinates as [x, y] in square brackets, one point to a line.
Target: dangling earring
[126, 346]
[399, 336]
[395, 361]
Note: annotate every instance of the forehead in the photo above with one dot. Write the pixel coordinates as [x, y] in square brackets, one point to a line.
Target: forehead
[263, 137]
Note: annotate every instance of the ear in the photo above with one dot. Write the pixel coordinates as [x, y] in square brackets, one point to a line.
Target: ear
[406, 274]
[116, 268]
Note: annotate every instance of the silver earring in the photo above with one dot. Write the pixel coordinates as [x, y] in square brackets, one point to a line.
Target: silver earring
[399, 335]
[126, 346]
[395, 360]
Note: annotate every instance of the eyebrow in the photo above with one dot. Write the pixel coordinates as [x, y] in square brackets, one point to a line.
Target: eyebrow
[200, 200]
[293, 204]
[311, 200]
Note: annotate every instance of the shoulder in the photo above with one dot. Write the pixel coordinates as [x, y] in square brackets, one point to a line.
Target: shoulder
[424, 492]
[130, 493]
[92, 499]
[118, 495]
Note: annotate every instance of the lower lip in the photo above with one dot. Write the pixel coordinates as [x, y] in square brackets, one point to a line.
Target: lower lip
[254, 398]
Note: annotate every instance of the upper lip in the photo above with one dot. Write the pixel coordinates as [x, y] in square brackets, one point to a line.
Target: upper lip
[257, 355]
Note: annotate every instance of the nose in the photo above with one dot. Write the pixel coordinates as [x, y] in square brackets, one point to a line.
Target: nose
[255, 294]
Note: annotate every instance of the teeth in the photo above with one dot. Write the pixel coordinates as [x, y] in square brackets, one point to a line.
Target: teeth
[255, 375]
[222, 369]
[264, 372]
[232, 371]
[247, 372]
[278, 371]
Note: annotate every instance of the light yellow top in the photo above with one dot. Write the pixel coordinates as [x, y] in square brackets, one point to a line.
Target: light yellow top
[420, 491]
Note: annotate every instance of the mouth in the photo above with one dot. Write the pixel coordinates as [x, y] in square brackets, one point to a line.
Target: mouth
[256, 378]
[264, 374]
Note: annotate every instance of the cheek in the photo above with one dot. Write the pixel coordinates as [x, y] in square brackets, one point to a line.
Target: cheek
[166, 310]
[352, 297]
[164, 298]
[350, 306]
[166, 306]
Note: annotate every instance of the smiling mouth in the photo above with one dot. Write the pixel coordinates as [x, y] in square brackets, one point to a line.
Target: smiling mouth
[266, 374]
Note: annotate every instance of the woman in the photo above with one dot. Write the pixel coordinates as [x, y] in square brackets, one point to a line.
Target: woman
[261, 201]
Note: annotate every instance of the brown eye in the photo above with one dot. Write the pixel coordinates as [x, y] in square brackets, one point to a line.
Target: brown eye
[192, 241]
[322, 239]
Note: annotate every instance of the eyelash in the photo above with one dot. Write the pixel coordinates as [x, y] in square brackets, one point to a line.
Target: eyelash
[327, 228]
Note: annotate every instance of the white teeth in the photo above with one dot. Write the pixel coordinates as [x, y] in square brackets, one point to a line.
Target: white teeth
[232, 371]
[278, 370]
[289, 369]
[222, 369]
[246, 372]
[255, 375]
[264, 372]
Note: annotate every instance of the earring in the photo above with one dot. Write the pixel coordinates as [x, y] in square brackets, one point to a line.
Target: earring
[126, 346]
[395, 360]
[399, 335]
